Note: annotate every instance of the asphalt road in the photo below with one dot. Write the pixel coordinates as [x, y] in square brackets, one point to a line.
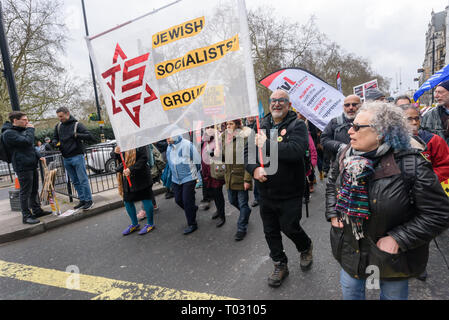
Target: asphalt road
[208, 261]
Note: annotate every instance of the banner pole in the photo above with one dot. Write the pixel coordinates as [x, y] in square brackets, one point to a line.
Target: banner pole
[260, 150]
[124, 168]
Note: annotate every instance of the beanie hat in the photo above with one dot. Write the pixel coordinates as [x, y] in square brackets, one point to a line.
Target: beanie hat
[444, 84]
[373, 94]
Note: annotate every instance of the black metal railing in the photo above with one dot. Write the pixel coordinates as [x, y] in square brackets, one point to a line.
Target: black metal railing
[99, 165]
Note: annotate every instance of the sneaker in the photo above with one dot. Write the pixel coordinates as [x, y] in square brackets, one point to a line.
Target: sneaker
[41, 213]
[79, 205]
[147, 228]
[255, 203]
[220, 222]
[30, 220]
[279, 273]
[422, 276]
[240, 235]
[130, 229]
[155, 207]
[88, 205]
[215, 215]
[190, 229]
[141, 215]
[204, 205]
[306, 258]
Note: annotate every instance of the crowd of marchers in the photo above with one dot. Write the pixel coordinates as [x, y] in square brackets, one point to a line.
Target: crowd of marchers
[383, 163]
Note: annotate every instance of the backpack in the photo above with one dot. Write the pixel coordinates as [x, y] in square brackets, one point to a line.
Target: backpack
[158, 166]
[74, 131]
[4, 153]
[341, 124]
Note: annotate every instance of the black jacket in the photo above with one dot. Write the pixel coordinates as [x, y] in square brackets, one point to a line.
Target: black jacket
[69, 145]
[20, 144]
[336, 134]
[289, 180]
[413, 224]
[140, 172]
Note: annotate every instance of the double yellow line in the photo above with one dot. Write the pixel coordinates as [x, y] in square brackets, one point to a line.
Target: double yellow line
[102, 288]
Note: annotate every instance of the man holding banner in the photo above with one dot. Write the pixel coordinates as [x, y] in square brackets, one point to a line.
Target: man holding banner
[281, 192]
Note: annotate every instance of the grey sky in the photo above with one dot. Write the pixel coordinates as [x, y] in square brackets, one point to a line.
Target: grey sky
[390, 34]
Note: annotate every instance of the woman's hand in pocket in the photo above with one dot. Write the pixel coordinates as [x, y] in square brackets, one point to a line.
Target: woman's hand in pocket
[388, 244]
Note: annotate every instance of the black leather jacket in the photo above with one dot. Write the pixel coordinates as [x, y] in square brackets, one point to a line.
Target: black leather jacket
[412, 223]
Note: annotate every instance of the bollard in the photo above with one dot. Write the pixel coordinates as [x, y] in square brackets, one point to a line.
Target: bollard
[14, 196]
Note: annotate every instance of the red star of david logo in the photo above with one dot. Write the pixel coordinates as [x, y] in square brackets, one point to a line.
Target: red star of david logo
[129, 73]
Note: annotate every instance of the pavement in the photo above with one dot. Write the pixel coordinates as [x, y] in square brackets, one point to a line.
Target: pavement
[12, 228]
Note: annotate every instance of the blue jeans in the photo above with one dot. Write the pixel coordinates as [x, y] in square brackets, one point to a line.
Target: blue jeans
[239, 199]
[354, 289]
[76, 169]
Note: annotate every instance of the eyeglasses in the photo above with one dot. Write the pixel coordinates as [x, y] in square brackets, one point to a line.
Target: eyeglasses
[347, 105]
[281, 101]
[413, 119]
[357, 127]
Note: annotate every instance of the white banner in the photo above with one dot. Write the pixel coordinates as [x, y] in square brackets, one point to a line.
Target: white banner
[177, 69]
[311, 96]
[360, 90]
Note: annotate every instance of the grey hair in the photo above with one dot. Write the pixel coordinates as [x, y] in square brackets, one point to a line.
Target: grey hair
[406, 107]
[389, 122]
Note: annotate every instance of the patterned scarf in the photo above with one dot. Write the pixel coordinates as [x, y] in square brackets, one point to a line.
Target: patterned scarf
[352, 200]
[130, 160]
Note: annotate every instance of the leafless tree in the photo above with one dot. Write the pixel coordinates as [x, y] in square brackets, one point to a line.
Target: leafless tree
[36, 36]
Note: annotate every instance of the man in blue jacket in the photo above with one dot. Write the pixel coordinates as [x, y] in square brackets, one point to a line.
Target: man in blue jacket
[185, 164]
[18, 136]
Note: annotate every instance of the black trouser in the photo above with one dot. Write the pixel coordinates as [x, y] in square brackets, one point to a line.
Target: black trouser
[185, 198]
[29, 185]
[283, 216]
[217, 195]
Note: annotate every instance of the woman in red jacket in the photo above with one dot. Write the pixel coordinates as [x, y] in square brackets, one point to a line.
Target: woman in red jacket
[437, 149]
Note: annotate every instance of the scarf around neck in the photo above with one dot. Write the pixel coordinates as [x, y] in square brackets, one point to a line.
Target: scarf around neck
[353, 198]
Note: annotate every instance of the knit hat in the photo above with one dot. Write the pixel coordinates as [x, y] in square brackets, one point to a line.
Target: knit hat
[444, 84]
[373, 94]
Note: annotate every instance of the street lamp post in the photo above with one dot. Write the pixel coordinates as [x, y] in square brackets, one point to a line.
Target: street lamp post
[8, 71]
[93, 78]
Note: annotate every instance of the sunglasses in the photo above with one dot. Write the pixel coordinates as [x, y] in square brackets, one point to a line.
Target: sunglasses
[413, 119]
[281, 101]
[347, 105]
[357, 127]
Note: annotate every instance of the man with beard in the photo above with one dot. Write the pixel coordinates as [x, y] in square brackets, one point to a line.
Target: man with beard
[437, 119]
[335, 136]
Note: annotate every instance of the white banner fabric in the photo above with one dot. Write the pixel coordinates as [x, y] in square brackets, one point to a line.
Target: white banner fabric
[309, 95]
[177, 69]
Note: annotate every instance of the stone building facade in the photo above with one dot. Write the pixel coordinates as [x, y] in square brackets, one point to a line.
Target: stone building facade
[438, 32]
